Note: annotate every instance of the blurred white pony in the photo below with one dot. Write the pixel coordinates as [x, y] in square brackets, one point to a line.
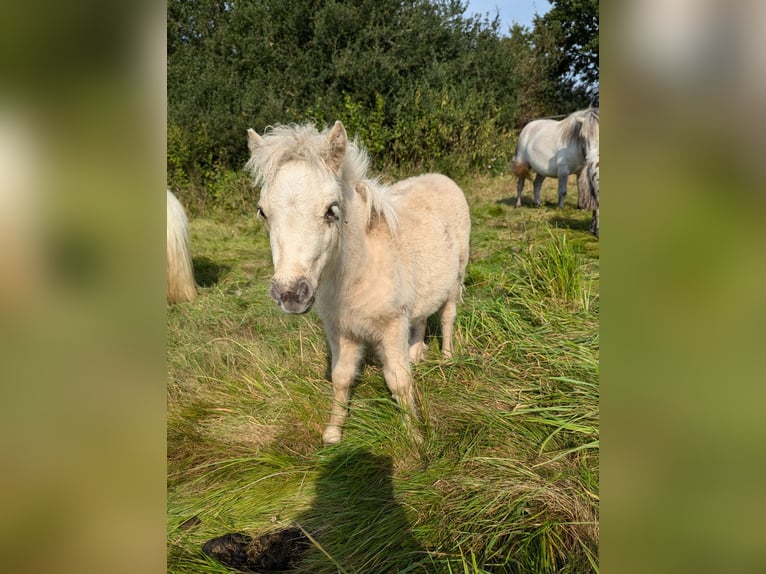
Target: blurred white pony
[375, 261]
[181, 285]
[555, 149]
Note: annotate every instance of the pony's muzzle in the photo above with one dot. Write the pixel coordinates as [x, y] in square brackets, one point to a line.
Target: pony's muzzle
[293, 297]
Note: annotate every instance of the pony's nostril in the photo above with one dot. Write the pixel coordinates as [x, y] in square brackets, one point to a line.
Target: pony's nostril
[303, 290]
[292, 295]
[274, 292]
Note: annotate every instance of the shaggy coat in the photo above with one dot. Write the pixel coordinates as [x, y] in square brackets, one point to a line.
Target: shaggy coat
[374, 261]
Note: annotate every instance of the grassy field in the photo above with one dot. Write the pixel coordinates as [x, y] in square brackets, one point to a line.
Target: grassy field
[507, 477]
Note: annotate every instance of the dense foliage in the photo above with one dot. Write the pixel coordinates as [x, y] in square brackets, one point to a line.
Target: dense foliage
[423, 85]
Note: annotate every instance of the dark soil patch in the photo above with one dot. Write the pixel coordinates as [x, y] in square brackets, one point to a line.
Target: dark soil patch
[272, 552]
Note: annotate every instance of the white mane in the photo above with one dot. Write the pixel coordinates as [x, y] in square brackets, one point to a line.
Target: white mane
[581, 125]
[283, 143]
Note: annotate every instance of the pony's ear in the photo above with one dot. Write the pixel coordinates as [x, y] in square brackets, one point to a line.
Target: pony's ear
[361, 189]
[336, 147]
[254, 141]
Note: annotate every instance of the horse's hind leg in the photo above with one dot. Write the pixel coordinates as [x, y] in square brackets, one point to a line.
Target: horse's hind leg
[537, 185]
[447, 315]
[345, 359]
[519, 189]
[417, 340]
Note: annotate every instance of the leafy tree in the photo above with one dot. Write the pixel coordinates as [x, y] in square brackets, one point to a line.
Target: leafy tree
[566, 45]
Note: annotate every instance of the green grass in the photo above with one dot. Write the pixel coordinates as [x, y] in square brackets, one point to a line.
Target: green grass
[506, 479]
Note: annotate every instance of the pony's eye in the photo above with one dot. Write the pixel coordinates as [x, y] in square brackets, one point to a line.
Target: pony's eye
[261, 214]
[333, 213]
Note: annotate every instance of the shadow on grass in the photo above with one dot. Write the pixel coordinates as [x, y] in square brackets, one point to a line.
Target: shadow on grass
[354, 525]
[528, 201]
[510, 201]
[207, 272]
[573, 223]
[356, 519]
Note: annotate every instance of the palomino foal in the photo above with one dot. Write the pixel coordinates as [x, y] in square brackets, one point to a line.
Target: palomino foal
[374, 261]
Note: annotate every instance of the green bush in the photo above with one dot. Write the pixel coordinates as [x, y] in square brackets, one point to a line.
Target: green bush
[423, 86]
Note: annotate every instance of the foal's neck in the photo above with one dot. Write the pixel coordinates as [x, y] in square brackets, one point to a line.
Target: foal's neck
[354, 244]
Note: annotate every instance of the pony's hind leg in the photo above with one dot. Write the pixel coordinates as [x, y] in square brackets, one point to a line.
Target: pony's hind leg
[346, 354]
[447, 315]
[519, 189]
[417, 340]
[537, 185]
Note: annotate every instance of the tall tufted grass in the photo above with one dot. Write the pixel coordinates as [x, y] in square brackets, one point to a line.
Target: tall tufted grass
[506, 479]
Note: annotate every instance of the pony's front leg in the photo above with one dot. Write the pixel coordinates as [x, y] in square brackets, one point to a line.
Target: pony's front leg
[346, 354]
[537, 186]
[562, 188]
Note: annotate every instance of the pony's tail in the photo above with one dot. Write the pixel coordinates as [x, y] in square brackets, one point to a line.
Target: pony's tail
[520, 168]
[181, 285]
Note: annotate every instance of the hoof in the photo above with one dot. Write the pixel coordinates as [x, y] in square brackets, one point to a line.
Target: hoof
[331, 435]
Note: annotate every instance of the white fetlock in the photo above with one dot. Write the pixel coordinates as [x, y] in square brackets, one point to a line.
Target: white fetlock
[332, 435]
